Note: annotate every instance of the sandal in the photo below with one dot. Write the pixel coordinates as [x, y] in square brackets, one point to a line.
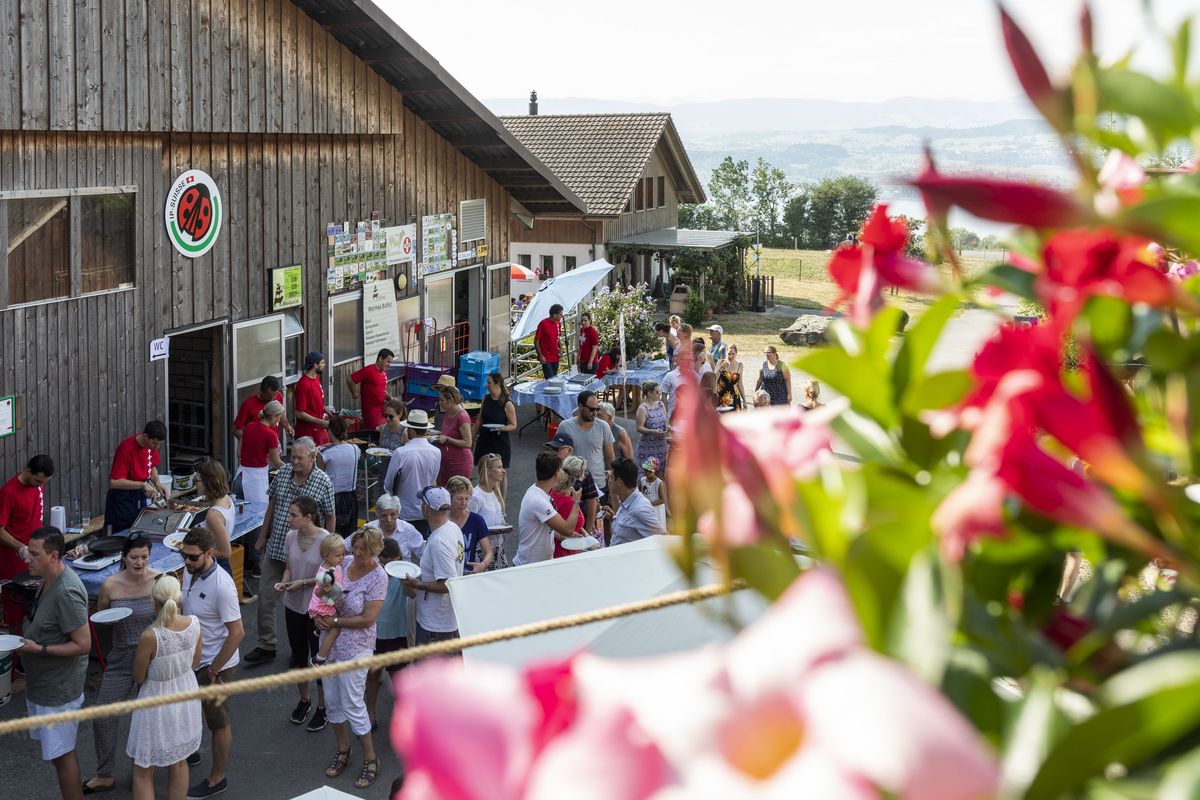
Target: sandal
[341, 760]
[370, 772]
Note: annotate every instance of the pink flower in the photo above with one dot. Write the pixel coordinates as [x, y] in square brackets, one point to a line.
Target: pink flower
[1182, 271]
[1121, 182]
[974, 509]
[794, 706]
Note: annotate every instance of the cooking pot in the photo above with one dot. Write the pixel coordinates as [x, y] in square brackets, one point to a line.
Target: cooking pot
[184, 482]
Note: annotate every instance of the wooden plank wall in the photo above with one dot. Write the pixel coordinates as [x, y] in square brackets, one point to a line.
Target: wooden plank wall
[238, 66]
[557, 231]
[304, 133]
[651, 219]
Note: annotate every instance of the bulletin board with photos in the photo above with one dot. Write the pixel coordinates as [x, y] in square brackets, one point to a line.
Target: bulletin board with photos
[356, 253]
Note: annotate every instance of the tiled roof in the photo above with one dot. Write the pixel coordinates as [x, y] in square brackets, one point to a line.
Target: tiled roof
[598, 156]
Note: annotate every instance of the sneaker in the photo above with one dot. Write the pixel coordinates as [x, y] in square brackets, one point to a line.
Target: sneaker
[259, 656]
[194, 759]
[248, 598]
[255, 571]
[318, 721]
[202, 790]
[300, 712]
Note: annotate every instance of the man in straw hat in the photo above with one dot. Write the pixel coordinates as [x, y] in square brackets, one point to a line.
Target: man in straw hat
[413, 467]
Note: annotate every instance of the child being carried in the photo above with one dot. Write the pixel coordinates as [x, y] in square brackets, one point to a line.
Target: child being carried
[329, 590]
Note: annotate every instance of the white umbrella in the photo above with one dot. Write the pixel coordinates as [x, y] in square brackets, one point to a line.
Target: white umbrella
[567, 290]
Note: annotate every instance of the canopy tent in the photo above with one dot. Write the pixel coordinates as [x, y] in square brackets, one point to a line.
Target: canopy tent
[567, 290]
[590, 581]
[518, 272]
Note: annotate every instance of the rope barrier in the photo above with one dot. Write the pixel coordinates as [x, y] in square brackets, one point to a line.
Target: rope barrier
[223, 691]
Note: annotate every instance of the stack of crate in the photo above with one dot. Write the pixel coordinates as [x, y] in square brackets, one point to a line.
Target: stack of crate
[420, 391]
[473, 371]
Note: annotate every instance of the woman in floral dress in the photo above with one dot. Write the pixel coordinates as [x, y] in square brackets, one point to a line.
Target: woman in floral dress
[652, 425]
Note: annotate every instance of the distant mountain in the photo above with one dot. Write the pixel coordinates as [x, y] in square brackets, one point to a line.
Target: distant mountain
[756, 114]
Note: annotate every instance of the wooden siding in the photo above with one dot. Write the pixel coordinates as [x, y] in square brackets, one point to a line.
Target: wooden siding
[296, 153]
[233, 66]
[654, 219]
[557, 231]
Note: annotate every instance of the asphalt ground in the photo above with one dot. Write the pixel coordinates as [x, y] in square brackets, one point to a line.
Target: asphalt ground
[272, 758]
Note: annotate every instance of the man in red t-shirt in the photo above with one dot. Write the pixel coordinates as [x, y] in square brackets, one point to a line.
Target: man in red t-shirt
[252, 406]
[134, 476]
[546, 339]
[373, 378]
[311, 411]
[22, 509]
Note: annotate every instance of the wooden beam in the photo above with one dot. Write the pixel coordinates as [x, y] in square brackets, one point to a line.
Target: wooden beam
[481, 140]
[340, 20]
[426, 86]
[504, 165]
[386, 55]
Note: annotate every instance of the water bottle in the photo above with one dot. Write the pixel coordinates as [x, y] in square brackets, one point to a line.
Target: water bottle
[76, 513]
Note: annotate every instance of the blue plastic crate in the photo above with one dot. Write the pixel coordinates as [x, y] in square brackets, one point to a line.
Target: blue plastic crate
[418, 402]
[471, 392]
[420, 388]
[479, 362]
[427, 373]
[470, 381]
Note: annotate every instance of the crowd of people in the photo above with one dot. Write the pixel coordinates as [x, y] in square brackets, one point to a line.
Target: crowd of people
[443, 510]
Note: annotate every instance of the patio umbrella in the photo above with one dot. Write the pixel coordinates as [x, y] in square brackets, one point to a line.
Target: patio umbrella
[520, 273]
[567, 290]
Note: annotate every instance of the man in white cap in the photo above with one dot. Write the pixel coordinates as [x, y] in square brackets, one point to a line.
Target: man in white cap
[443, 559]
[716, 353]
[413, 466]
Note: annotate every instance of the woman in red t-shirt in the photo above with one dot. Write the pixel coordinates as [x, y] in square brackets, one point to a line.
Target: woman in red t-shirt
[260, 452]
[564, 500]
[609, 362]
[589, 343]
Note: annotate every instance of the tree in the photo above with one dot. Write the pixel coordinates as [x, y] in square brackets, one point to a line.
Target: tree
[824, 213]
[769, 194]
[990, 242]
[729, 192]
[964, 239]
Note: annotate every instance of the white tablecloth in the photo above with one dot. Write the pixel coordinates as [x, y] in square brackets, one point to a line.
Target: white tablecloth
[563, 404]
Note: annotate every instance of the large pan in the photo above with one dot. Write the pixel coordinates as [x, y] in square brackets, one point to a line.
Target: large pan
[106, 545]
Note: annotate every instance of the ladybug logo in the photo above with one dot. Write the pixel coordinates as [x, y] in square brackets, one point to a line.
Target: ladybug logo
[193, 213]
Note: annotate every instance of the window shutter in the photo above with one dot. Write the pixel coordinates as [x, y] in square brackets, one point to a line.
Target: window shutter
[472, 220]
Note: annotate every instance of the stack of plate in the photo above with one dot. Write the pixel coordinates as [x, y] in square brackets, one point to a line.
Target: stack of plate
[552, 389]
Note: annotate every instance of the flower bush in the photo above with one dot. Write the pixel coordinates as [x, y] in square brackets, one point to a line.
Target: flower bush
[942, 647]
[638, 308]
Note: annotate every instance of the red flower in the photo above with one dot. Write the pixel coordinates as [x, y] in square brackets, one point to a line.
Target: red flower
[1083, 263]
[999, 200]
[862, 270]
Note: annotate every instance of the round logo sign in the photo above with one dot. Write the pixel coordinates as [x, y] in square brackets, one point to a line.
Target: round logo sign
[193, 213]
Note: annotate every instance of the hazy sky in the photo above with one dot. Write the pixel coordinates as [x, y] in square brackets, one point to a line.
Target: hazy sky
[667, 51]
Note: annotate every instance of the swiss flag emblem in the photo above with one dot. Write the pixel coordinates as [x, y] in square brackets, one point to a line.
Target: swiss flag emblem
[190, 179]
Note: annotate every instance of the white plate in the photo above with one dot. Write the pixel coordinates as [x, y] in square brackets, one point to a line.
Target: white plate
[174, 541]
[493, 426]
[723, 409]
[580, 543]
[9, 643]
[109, 615]
[552, 390]
[500, 529]
[402, 569]
[378, 451]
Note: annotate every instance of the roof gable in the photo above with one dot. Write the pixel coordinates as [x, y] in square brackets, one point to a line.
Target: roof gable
[600, 157]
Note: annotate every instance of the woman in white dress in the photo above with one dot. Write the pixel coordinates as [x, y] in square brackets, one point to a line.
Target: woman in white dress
[167, 656]
[487, 500]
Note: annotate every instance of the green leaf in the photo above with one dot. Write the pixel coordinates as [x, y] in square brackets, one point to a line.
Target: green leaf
[941, 390]
[919, 343]
[1145, 709]
[866, 438]
[878, 339]
[967, 683]
[1035, 727]
[1181, 781]
[1181, 45]
[1174, 217]
[858, 378]
[1166, 112]
[766, 569]
[1010, 279]
[1110, 322]
[921, 628]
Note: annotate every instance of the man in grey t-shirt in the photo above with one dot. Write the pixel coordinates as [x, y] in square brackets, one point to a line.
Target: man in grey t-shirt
[55, 650]
[593, 438]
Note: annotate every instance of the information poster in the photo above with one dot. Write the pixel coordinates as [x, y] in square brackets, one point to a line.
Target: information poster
[8, 415]
[401, 244]
[439, 244]
[381, 327]
[357, 253]
[287, 287]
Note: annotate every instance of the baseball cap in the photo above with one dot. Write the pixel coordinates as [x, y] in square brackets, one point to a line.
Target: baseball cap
[313, 358]
[717, 328]
[560, 441]
[435, 497]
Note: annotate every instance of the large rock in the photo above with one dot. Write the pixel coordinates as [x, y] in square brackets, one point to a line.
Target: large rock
[807, 331]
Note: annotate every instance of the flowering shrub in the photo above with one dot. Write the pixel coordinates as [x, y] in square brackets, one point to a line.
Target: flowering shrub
[637, 306]
[943, 647]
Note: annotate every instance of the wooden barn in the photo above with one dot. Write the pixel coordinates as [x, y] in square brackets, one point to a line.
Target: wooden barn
[320, 124]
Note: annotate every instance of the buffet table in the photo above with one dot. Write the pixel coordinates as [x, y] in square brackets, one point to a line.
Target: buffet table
[163, 558]
[561, 403]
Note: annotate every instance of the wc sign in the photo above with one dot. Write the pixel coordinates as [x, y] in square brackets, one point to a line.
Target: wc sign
[193, 213]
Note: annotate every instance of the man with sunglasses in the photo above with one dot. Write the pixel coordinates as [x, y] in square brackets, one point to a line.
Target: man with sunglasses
[210, 596]
[22, 511]
[55, 653]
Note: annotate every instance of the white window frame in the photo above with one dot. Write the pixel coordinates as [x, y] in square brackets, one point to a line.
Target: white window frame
[250, 323]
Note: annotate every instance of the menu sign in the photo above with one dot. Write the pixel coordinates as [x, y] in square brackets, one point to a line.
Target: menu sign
[381, 326]
[356, 252]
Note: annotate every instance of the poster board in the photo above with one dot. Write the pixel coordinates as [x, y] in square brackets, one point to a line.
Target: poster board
[401, 244]
[381, 326]
[356, 252]
[287, 287]
[8, 415]
[439, 244]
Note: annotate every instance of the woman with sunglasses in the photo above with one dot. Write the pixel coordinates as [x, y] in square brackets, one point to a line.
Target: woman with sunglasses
[456, 437]
[131, 587]
[392, 433]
